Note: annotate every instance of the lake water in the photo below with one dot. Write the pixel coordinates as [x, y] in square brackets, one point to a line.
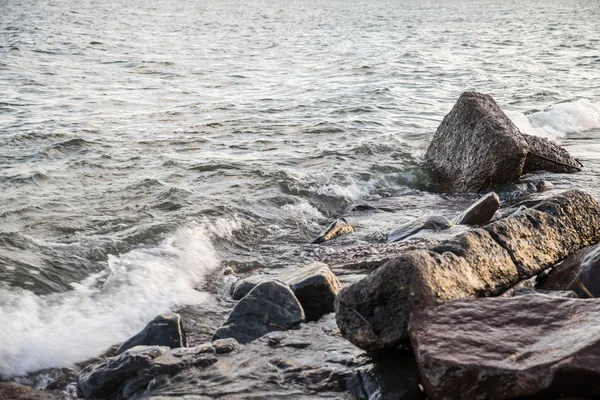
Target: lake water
[144, 144]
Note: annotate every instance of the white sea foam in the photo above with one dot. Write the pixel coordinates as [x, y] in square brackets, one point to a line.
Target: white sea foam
[559, 120]
[302, 210]
[61, 329]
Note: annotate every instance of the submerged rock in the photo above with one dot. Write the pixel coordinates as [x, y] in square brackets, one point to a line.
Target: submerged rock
[393, 375]
[579, 273]
[479, 212]
[545, 155]
[337, 228]
[270, 306]
[163, 330]
[12, 390]
[373, 313]
[426, 222]
[525, 291]
[507, 348]
[476, 147]
[316, 287]
[107, 376]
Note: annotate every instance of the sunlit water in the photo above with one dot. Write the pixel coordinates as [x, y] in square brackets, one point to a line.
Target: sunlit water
[145, 143]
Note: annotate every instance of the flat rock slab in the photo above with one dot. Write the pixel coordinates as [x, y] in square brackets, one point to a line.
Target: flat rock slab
[507, 348]
[270, 306]
[476, 147]
[426, 222]
[545, 155]
[373, 313]
[163, 330]
[480, 212]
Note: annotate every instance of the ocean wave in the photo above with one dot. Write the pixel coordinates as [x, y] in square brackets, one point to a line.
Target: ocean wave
[559, 120]
[61, 329]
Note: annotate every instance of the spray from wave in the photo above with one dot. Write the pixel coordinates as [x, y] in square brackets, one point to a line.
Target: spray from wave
[559, 120]
[62, 329]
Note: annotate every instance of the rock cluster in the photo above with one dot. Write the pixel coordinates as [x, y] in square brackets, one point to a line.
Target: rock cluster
[373, 313]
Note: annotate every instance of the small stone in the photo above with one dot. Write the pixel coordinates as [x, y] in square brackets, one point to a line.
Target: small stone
[163, 330]
[228, 271]
[337, 228]
[479, 212]
[544, 186]
[225, 346]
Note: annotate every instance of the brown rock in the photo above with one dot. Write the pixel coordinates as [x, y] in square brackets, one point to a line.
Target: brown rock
[479, 212]
[476, 147]
[507, 348]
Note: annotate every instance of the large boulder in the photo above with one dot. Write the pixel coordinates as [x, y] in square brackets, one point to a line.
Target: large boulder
[426, 222]
[479, 212]
[476, 147]
[546, 155]
[270, 306]
[508, 348]
[579, 273]
[163, 330]
[316, 287]
[373, 313]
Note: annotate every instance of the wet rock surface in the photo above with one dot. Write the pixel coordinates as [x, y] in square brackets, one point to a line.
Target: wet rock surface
[337, 228]
[316, 288]
[480, 212]
[15, 391]
[579, 273]
[476, 147]
[506, 348]
[312, 362]
[545, 155]
[163, 330]
[270, 306]
[106, 377]
[426, 222]
[373, 313]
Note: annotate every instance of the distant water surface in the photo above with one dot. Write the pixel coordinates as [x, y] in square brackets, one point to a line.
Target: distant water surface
[143, 144]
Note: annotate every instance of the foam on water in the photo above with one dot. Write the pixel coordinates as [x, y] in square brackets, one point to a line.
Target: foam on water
[559, 120]
[62, 329]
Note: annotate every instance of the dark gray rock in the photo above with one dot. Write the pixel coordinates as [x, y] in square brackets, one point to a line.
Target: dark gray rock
[426, 222]
[107, 376]
[579, 273]
[163, 330]
[476, 147]
[243, 286]
[316, 287]
[373, 313]
[508, 348]
[337, 228]
[393, 375]
[277, 366]
[545, 155]
[270, 306]
[479, 212]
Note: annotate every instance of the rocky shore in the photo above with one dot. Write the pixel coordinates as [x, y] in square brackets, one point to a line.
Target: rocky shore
[498, 302]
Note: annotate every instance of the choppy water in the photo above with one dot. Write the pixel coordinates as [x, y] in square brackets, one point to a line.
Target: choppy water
[145, 143]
